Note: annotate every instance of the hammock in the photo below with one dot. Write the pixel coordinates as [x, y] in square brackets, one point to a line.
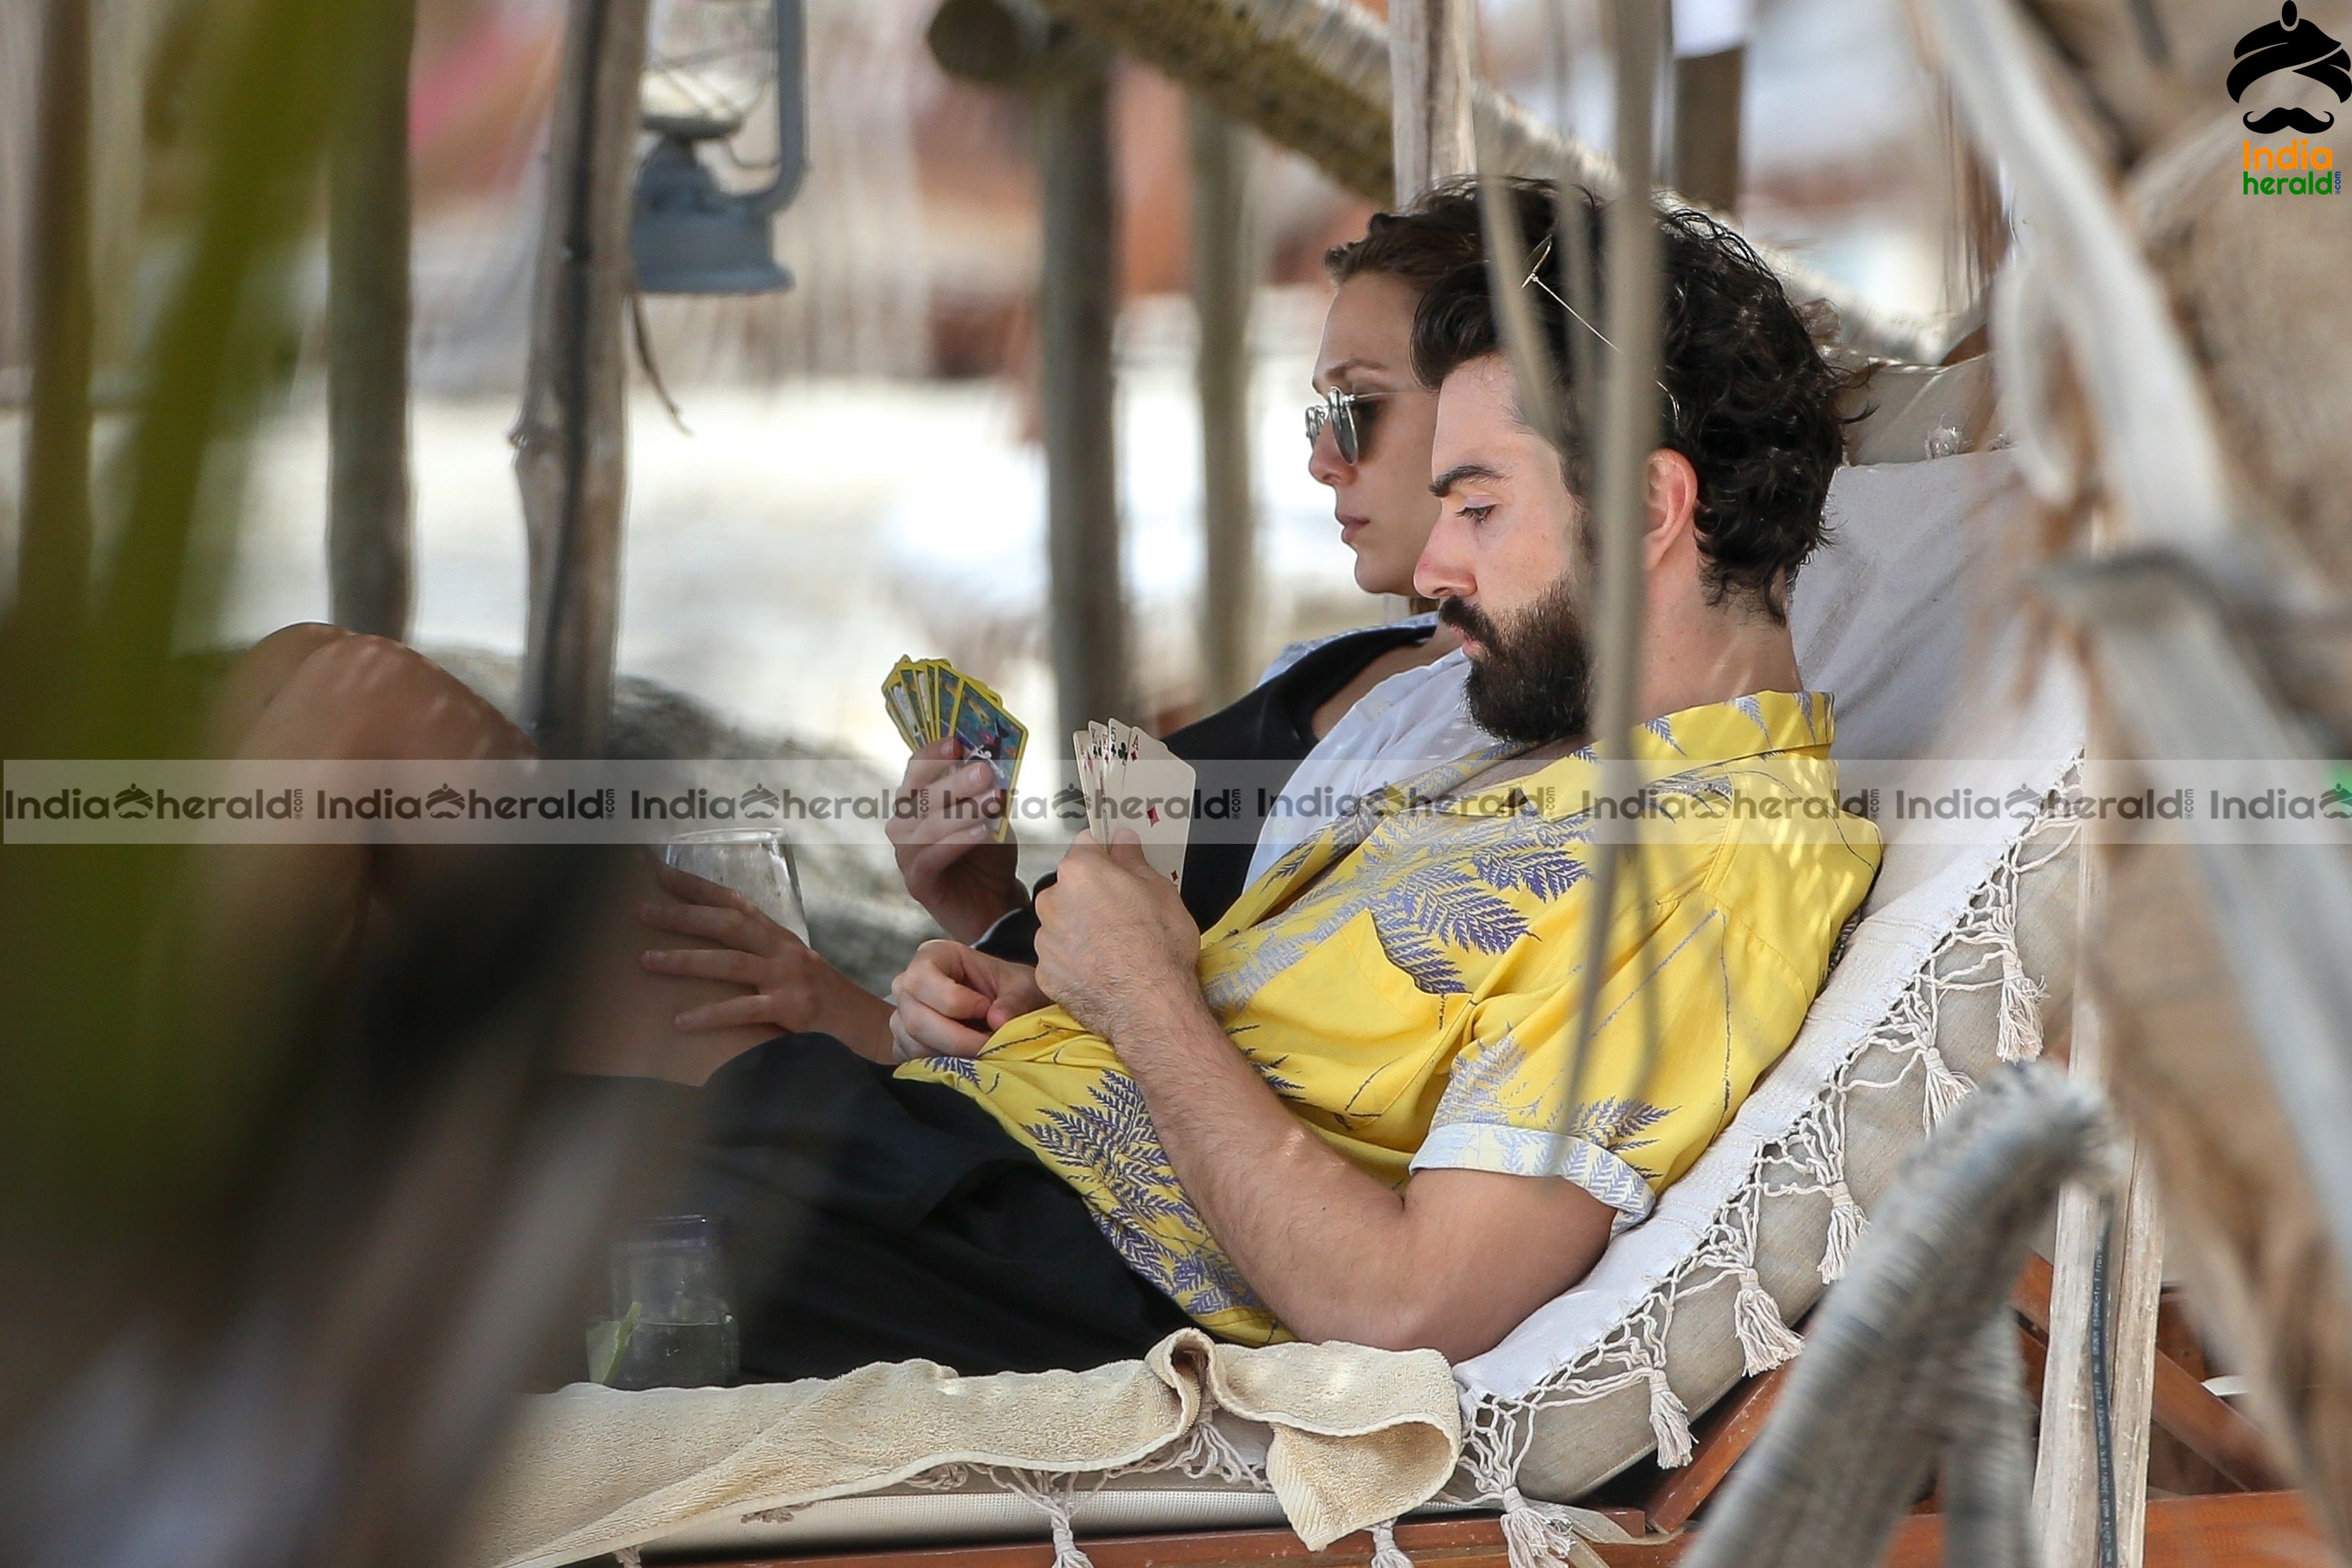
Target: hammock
[1961, 956]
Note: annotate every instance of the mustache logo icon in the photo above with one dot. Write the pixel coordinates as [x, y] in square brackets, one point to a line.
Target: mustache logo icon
[2297, 44]
[2288, 117]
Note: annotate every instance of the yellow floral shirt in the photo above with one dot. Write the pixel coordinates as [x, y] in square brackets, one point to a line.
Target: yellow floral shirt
[1409, 981]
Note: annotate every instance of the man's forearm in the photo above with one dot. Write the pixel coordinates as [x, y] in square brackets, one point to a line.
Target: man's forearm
[1328, 1246]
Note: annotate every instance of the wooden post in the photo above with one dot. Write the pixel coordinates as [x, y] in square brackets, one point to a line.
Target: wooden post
[53, 565]
[369, 574]
[1708, 91]
[570, 460]
[1066, 77]
[1432, 73]
[1077, 307]
[2067, 1506]
[1432, 86]
[1226, 271]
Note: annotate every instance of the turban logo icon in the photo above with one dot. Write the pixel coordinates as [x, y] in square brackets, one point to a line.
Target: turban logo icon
[2291, 43]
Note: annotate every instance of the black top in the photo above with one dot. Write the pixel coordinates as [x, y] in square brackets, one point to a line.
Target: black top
[1251, 747]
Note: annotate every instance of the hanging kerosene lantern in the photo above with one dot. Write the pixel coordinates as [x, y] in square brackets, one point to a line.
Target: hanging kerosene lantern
[710, 65]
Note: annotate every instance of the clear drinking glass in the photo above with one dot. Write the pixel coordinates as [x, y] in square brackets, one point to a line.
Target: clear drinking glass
[671, 1321]
[756, 862]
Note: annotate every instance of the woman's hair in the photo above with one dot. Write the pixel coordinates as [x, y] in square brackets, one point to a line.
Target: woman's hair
[1745, 392]
[1436, 235]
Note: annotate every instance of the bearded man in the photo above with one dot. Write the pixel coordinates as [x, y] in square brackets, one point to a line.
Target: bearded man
[1357, 1108]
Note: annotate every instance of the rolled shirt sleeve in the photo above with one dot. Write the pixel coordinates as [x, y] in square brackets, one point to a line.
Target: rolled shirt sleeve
[1691, 1014]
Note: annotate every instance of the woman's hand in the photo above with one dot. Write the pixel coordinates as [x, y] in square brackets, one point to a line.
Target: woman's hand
[951, 998]
[792, 989]
[942, 829]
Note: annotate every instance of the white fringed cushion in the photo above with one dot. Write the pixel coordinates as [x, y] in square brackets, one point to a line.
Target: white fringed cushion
[1935, 985]
[1964, 956]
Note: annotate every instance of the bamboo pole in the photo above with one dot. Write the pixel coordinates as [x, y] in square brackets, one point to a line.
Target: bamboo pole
[1433, 81]
[1077, 308]
[124, 40]
[2067, 1505]
[1226, 271]
[369, 547]
[1628, 432]
[53, 568]
[2122, 1241]
[570, 460]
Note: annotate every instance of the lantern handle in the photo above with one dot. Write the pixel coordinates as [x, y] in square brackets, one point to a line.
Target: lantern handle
[791, 111]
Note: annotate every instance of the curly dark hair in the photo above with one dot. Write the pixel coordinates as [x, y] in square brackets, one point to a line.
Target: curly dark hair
[1747, 397]
[1437, 235]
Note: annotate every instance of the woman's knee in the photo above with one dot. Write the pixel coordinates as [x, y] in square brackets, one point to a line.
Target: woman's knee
[292, 645]
[265, 667]
[388, 700]
[364, 666]
[259, 677]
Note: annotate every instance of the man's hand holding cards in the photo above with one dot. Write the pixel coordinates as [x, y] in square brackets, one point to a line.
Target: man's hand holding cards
[1128, 779]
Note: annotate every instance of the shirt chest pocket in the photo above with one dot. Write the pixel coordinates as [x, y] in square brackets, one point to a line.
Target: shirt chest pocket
[1345, 1032]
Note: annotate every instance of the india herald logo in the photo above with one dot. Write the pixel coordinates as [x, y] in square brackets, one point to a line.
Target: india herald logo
[2290, 44]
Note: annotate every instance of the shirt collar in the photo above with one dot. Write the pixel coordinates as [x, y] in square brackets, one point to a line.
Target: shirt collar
[1762, 723]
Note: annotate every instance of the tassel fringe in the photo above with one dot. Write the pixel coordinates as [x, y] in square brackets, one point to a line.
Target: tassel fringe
[1066, 1545]
[1210, 1453]
[1764, 1339]
[1946, 1088]
[1669, 1420]
[1847, 1222]
[2021, 995]
[1386, 1553]
[1055, 1503]
[1535, 1537]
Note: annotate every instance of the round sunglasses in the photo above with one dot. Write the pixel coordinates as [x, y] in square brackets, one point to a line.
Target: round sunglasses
[1349, 416]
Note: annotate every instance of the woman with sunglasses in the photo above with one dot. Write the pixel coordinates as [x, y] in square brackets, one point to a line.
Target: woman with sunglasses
[1368, 435]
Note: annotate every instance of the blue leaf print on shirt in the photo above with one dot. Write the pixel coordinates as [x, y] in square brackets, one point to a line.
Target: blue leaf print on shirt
[1282, 1086]
[1207, 1281]
[1429, 966]
[1665, 731]
[964, 1068]
[1111, 1137]
[1431, 881]
[1544, 868]
[1295, 858]
[1475, 1084]
[1491, 1084]
[1612, 1123]
[1754, 709]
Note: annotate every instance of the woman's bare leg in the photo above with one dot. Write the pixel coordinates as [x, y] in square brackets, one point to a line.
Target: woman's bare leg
[312, 692]
[320, 693]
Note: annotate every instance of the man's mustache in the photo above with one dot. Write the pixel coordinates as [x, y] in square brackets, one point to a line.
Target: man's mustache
[1468, 619]
[2286, 116]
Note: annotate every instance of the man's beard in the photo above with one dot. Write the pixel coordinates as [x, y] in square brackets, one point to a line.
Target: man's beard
[1532, 681]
